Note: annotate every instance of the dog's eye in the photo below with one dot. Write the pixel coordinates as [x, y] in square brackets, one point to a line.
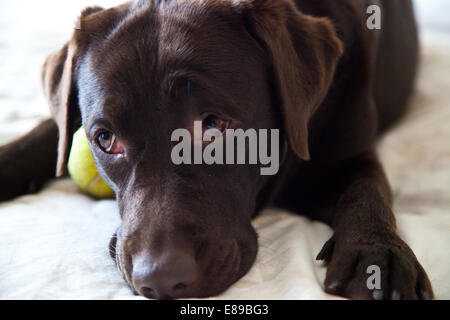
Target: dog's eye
[108, 142]
[213, 122]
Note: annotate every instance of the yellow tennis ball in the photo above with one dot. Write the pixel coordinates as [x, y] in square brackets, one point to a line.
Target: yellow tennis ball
[82, 168]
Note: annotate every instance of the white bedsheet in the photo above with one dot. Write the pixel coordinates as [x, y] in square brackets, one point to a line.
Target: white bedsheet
[54, 245]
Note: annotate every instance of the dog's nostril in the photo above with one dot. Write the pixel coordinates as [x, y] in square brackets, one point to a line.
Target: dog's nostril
[179, 286]
[148, 292]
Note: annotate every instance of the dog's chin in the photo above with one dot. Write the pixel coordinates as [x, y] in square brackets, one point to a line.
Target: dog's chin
[216, 278]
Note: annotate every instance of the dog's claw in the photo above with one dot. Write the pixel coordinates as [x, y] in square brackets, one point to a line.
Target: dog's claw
[334, 286]
[395, 295]
[377, 295]
[426, 295]
[327, 250]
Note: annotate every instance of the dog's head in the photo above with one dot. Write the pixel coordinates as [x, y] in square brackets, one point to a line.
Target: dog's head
[135, 73]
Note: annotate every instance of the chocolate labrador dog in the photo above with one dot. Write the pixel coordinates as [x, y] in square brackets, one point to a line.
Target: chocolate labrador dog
[134, 73]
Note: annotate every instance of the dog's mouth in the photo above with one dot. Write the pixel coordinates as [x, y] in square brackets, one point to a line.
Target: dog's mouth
[219, 268]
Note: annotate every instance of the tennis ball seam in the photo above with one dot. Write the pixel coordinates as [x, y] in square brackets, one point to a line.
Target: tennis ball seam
[96, 179]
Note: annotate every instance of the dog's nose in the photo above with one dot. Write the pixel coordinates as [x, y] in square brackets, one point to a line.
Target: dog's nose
[166, 277]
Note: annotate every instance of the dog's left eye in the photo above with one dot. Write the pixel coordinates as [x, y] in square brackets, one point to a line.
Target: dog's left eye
[108, 143]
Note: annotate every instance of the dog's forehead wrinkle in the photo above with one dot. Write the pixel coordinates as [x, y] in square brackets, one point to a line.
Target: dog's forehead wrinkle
[134, 43]
[136, 10]
[91, 94]
[131, 86]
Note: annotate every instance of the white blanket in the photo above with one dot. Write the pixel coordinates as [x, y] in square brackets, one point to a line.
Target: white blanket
[54, 245]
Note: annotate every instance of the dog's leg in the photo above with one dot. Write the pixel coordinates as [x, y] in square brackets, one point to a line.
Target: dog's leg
[365, 235]
[354, 198]
[28, 162]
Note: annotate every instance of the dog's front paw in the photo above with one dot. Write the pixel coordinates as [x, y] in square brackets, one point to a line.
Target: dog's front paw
[377, 269]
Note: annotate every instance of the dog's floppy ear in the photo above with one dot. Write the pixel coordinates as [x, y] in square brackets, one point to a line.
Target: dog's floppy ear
[58, 80]
[304, 52]
[59, 88]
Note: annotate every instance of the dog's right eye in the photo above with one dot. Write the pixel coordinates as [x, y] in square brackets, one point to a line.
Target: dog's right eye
[108, 143]
[213, 122]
